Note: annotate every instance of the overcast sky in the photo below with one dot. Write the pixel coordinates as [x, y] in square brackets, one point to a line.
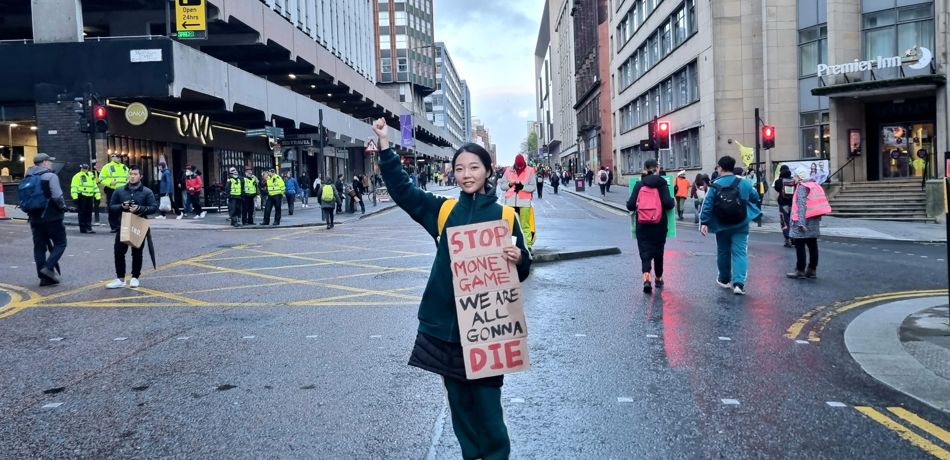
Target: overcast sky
[491, 43]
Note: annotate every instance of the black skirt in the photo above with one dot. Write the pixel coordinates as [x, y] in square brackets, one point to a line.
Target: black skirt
[445, 358]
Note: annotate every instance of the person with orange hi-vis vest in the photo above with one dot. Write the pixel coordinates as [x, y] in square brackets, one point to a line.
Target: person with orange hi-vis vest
[809, 203]
[519, 186]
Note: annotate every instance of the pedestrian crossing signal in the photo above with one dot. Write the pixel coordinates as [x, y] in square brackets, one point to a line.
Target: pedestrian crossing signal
[768, 137]
[101, 117]
[663, 135]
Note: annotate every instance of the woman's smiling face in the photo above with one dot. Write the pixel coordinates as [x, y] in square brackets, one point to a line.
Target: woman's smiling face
[470, 173]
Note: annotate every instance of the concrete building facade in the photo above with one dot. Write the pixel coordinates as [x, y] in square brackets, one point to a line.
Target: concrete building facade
[554, 83]
[272, 63]
[864, 98]
[406, 50]
[445, 107]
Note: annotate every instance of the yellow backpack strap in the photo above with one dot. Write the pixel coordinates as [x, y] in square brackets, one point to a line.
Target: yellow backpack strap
[508, 213]
[444, 212]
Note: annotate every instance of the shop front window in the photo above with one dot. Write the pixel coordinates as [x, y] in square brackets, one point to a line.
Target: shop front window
[907, 150]
[893, 32]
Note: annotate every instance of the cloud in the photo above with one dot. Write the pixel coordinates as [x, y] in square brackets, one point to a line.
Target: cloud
[492, 44]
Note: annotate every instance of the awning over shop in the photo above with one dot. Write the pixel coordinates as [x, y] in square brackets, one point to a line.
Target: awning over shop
[882, 87]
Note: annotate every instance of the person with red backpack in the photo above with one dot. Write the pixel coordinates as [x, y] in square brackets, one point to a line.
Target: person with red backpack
[651, 200]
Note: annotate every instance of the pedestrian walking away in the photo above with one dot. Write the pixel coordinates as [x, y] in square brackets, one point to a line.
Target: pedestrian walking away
[589, 176]
[166, 191]
[329, 200]
[40, 195]
[809, 203]
[650, 201]
[85, 193]
[275, 192]
[519, 186]
[602, 179]
[475, 405]
[698, 194]
[610, 178]
[730, 204]
[291, 191]
[114, 175]
[555, 182]
[681, 191]
[137, 199]
[785, 186]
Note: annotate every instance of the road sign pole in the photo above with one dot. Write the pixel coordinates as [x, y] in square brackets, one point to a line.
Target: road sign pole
[168, 18]
[946, 217]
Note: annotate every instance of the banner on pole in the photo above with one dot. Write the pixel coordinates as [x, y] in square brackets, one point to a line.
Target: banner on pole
[488, 302]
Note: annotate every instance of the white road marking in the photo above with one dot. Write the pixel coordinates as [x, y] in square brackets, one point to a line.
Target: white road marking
[516, 400]
[14, 266]
[52, 405]
[119, 339]
[182, 338]
[652, 336]
[725, 339]
[939, 260]
[802, 342]
[375, 336]
[580, 335]
[624, 399]
[836, 404]
[56, 339]
[248, 337]
[730, 402]
[923, 257]
[312, 336]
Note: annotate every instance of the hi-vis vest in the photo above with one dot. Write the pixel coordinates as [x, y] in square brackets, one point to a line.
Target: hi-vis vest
[816, 204]
[234, 186]
[114, 175]
[250, 185]
[512, 176]
[275, 185]
[84, 184]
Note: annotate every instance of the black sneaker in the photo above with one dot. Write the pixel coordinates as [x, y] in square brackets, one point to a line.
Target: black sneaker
[647, 287]
[658, 283]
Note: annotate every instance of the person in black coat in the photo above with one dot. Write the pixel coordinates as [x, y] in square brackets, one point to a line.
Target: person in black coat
[135, 198]
[651, 237]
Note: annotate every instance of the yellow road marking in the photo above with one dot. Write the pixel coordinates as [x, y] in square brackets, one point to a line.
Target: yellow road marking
[264, 256]
[168, 295]
[796, 328]
[328, 261]
[219, 305]
[919, 422]
[340, 297]
[304, 282]
[905, 433]
[815, 334]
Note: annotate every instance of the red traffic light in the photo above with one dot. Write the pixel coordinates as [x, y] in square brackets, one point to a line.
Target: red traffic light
[99, 112]
[768, 132]
[664, 127]
[768, 137]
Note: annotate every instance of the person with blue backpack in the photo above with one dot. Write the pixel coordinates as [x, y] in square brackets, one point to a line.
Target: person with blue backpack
[41, 197]
[651, 200]
[730, 204]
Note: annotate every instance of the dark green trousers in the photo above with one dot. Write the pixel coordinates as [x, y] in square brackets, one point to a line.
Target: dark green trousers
[478, 420]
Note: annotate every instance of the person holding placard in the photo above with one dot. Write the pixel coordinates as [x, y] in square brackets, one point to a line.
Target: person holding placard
[477, 414]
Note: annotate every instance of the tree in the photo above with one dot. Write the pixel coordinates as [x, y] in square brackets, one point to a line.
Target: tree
[530, 147]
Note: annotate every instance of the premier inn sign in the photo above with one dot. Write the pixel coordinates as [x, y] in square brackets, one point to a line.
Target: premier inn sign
[917, 58]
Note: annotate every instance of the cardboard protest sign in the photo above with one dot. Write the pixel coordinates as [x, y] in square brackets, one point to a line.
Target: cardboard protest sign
[670, 217]
[488, 301]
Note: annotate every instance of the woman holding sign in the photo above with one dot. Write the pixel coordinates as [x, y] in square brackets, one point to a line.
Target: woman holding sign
[477, 414]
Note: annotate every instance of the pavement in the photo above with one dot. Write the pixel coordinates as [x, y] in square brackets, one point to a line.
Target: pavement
[904, 344]
[830, 225]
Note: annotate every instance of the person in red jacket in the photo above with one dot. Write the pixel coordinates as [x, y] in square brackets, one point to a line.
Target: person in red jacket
[193, 186]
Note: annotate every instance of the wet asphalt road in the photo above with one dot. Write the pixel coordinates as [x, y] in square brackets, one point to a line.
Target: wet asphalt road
[292, 344]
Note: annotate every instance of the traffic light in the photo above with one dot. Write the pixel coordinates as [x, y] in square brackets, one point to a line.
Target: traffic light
[101, 118]
[663, 135]
[79, 107]
[768, 137]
